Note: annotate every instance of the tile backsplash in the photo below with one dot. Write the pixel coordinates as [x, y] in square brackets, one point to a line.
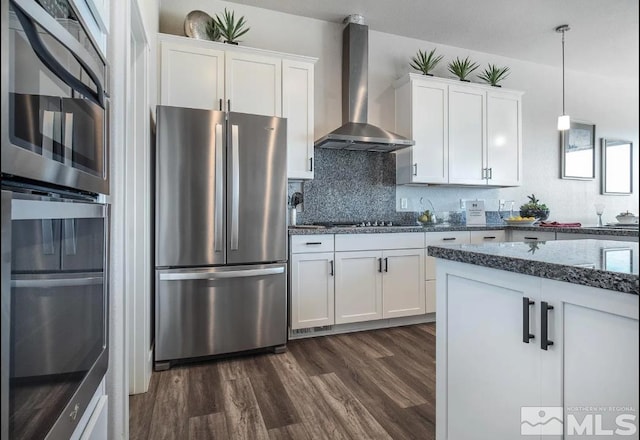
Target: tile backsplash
[356, 186]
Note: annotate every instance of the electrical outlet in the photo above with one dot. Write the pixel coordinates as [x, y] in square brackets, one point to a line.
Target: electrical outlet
[403, 203]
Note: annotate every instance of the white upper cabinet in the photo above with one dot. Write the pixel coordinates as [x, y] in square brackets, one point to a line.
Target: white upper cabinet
[253, 83]
[421, 115]
[182, 84]
[216, 76]
[297, 107]
[465, 134]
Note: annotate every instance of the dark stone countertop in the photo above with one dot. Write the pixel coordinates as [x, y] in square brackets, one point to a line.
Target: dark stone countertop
[302, 230]
[606, 264]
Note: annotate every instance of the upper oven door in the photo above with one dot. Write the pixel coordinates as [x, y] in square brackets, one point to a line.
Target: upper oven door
[53, 97]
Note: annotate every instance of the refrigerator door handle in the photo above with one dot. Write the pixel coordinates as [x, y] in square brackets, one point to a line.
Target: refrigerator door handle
[235, 187]
[182, 276]
[219, 191]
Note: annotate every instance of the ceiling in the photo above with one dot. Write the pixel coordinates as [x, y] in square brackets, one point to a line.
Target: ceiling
[603, 39]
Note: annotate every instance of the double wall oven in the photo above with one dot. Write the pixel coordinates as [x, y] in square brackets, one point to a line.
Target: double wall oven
[55, 224]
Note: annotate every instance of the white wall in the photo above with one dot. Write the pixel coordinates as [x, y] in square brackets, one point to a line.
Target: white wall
[610, 103]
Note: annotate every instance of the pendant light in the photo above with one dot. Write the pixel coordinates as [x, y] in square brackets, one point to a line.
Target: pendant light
[563, 121]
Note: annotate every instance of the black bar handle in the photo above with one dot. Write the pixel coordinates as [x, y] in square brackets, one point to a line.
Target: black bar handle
[386, 265]
[526, 304]
[331, 267]
[544, 325]
[228, 105]
[313, 243]
[220, 104]
[530, 238]
[490, 173]
[311, 164]
[448, 238]
[490, 237]
[415, 169]
[380, 265]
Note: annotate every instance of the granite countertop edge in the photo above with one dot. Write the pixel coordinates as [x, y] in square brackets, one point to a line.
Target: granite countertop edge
[293, 230]
[615, 281]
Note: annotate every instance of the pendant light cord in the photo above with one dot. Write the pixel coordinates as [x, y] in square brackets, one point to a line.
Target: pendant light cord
[563, 112]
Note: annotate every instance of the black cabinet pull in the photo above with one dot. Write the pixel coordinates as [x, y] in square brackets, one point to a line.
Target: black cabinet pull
[228, 105]
[530, 238]
[490, 173]
[311, 164]
[220, 104]
[526, 304]
[331, 267]
[545, 308]
[448, 238]
[313, 243]
[386, 265]
[492, 237]
[415, 169]
[380, 265]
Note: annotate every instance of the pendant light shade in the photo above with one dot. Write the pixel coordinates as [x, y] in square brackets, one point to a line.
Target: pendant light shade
[564, 121]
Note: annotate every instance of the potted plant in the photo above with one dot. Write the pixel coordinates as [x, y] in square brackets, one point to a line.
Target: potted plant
[462, 68]
[493, 74]
[230, 29]
[213, 31]
[425, 62]
[533, 208]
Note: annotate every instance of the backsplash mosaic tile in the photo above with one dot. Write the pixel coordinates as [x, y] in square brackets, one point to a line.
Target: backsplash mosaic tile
[356, 186]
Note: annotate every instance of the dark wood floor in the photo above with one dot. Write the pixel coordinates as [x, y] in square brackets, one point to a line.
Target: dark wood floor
[378, 384]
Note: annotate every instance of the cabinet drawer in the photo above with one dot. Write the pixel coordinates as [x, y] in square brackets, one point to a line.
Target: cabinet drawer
[311, 243]
[367, 242]
[447, 237]
[480, 237]
[532, 235]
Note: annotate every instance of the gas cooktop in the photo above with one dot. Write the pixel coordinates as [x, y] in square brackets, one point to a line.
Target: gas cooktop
[364, 224]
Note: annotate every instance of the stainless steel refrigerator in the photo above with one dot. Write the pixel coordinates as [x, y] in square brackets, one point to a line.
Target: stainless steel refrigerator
[221, 234]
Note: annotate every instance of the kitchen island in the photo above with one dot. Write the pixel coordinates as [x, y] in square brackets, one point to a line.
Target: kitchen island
[536, 337]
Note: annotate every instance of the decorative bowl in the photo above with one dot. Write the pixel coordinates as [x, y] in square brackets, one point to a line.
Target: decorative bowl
[626, 218]
[540, 214]
[521, 222]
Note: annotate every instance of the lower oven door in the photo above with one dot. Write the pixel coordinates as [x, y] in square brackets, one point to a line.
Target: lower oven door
[54, 312]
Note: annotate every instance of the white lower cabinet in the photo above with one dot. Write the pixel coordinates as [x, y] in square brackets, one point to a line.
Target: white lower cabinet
[403, 283]
[312, 290]
[490, 236]
[509, 344]
[358, 286]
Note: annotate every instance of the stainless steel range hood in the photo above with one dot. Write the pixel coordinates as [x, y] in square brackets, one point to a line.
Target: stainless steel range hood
[355, 133]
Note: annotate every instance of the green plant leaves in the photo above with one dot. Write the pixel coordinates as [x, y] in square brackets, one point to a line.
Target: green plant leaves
[425, 62]
[462, 68]
[213, 31]
[230, 29]
[494, 74]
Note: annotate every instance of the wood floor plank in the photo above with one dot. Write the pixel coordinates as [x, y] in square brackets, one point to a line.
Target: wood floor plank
[208, 427]
[290, 432]
[358, 422]
[313, 391]
[428, 328]
[377, 349]
[275, 405]
[244, 420]
[169, 420]
[141, 409]
[203, 384]
[310, 356]
[314, 412]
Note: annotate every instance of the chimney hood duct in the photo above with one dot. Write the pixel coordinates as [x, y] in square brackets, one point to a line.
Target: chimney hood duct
[355, 133]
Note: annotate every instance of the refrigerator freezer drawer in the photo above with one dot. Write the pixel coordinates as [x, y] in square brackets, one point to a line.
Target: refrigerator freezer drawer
[210, 311]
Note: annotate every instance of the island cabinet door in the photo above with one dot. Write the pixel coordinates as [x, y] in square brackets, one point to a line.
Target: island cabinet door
[358, 280]
[491, 366]
[591, 370]
[403, 283]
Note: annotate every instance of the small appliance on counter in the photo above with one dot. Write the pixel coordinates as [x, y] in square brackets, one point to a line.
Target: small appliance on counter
[221, 233]
[296, 199]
